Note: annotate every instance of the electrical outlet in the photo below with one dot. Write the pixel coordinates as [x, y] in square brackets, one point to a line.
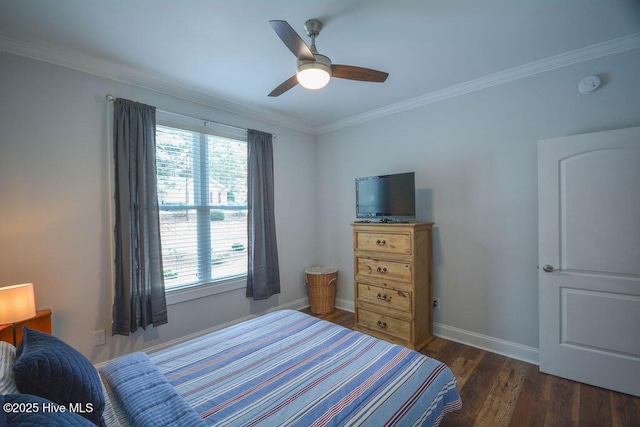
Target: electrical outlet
[99, 337]
[436, 303]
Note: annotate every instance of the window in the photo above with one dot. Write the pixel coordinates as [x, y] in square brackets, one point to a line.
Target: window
[202, 194]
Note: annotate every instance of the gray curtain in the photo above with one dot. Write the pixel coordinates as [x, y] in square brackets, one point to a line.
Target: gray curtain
[263, 275]
[139, 283]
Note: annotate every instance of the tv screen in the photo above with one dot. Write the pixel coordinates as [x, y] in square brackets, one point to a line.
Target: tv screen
[386, 197]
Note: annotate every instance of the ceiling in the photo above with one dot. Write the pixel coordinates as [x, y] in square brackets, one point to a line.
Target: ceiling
[224, 52]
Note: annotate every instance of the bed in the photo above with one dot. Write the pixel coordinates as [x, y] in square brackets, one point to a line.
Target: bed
[283, 368]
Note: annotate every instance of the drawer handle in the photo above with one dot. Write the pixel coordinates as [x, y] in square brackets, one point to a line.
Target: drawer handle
[381, 324]
[382, 297]
[381, 242]
[382, 269]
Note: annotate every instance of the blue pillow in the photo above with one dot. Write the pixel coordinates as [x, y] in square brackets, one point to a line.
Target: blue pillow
[46, 366]
[25, 410]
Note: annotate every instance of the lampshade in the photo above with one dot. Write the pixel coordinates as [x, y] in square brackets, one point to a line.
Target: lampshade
[17, 303]
[314, 74]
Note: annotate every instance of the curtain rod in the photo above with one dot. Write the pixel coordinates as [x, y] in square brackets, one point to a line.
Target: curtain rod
[111, 98]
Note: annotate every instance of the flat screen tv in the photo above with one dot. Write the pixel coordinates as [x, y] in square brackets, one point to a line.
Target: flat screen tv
[386, 197]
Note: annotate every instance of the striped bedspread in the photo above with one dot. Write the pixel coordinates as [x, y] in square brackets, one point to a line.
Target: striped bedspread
[145, 395]
[288, 368]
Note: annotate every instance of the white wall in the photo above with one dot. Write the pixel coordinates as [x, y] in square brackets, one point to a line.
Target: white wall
[475, 158]
[55, 227]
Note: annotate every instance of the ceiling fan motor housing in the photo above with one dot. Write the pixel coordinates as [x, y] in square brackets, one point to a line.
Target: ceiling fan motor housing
[313, 27]
[321, 61]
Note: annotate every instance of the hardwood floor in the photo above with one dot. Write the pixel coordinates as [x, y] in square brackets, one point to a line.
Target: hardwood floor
[500, 391]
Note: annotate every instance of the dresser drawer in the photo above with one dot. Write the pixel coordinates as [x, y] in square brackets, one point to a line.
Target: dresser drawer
[390, 298]
[392, 282]
[384, 324]
[384, 282]
[390, 270]
[395, 243]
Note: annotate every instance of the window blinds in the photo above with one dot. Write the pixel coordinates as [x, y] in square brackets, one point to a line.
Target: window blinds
[202, 195]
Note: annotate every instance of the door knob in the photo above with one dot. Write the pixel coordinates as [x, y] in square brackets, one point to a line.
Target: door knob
[547, 268]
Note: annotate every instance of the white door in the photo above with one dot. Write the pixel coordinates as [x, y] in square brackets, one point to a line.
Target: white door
[589, 258]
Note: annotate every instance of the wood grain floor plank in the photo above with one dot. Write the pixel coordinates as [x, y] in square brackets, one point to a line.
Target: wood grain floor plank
[501, 400]
[530, 409]
[339, 317]
[465, 364]
[560, 409]
[480, 381]
[595, 407]
[435, 346]
[443, 350]
[625, 410]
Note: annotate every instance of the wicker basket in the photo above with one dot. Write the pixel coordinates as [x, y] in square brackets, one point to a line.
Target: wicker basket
[321, 286]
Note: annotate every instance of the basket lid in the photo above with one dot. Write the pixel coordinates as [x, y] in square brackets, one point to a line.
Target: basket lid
[320, 270]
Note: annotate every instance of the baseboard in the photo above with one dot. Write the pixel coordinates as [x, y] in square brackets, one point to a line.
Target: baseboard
[484, 342]
[345, 305]
[294, 305]
[473, 339]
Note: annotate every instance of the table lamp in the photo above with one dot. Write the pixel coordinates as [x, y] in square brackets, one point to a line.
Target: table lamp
[17, 303]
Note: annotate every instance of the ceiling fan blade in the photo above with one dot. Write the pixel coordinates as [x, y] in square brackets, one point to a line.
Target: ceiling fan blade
[291, 39]
[358, 73]
[285, 86]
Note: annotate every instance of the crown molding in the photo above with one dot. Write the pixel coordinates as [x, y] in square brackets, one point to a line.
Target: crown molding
[101, 68]
[126, 75]
[573, 57]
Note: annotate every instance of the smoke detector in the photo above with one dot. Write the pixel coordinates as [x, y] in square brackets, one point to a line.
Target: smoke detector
[589, 84]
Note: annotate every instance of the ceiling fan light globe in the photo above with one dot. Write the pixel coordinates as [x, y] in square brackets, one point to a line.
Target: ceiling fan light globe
[313, 78]
[314, 74]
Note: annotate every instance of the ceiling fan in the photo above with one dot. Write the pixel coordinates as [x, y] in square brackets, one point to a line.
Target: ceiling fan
[314, 70]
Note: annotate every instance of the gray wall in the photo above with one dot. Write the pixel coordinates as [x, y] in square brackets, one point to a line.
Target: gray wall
[55, 226]
[476, 168]
[475, 158]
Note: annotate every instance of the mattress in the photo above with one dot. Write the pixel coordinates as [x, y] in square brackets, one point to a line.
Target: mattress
[287, 368]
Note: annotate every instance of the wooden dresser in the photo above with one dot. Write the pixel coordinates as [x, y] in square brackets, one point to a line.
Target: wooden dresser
[392, 266]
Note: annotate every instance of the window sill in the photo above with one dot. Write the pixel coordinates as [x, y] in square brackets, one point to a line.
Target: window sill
[183, 295]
